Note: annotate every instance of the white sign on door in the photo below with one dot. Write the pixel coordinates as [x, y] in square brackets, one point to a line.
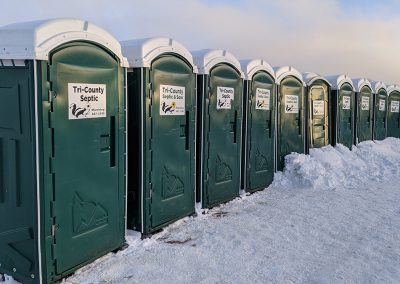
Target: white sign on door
[225, 97]
[346, 102]
[86, 101]
[262, 98]
[318, 107]
[382, 105]
[291, 104]
[172, 100]
[395, 106]
[364, 103]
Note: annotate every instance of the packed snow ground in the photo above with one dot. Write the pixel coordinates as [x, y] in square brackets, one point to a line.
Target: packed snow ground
[332, 216]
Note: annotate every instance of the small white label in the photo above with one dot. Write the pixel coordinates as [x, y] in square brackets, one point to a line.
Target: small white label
[172, 100]
[262, 98]
[291, 104]
[318, 107]
[86, 101]
[346, 102]
[381, 105]
[225, 97]
[395, 106]
[364, 103]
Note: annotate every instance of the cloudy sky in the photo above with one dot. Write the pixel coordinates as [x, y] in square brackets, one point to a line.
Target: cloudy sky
[360, 38]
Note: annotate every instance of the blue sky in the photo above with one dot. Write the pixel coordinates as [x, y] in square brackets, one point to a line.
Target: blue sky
[358, 38]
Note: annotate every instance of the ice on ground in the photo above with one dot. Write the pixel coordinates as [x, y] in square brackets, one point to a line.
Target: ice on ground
[332, 216]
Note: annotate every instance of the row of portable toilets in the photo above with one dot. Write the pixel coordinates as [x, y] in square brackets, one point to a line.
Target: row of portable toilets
[87, 127]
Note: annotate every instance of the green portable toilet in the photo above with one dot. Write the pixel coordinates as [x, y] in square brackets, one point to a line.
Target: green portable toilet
[380, 110]
[290, 113]
[258, 143]
[342, 95]
[318, 113]
[219, 124]
[161, 132]
[393, 116]
[364, 110]
[62, 147]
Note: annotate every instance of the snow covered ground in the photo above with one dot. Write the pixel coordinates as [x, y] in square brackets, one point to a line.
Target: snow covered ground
[332, 216]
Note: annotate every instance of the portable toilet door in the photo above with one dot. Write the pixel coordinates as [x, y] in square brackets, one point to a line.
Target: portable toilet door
[62, 125]
[343, 100]
[364, 110]
[258, 143]
[393, 120]
[380, 110]
[161, 122]
[290, 114]
[219, 124]
[318, 110]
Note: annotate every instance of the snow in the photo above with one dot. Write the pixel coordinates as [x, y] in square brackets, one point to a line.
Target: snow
[331, 216]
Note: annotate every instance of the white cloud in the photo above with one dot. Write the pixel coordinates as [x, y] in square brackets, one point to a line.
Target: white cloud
[311, 35]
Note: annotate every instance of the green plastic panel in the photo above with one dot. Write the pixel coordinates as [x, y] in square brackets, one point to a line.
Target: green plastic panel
[222, 124]
[260, 131]
[170, 170]
[393, 120]
[318, 114]
[364, 112]
[83, 156]
[345, 115]
[380, 115]
[290, 119]
[18, 206]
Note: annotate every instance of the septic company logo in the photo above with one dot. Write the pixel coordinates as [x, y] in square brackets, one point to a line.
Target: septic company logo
[88, 95]
[225, 96]
[79, 111]
[168, 108]
[86, 100]
[261, 103]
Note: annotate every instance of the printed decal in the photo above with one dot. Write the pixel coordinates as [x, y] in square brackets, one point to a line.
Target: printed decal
[382, 105]
[395, 106]
[318, 107]
[262, 99]
[346, 102]
[291, 104]
[172, 100]
[86, 101]
[364, 103]
[225, 97]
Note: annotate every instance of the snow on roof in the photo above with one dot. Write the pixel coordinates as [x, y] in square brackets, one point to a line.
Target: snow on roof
[250, 67]
[338, 80]
[378, 85]
[35, 40]
[283, 72]
[310, 78]
[393, 88]
[141, 52]
[359, 83]
[206, 59]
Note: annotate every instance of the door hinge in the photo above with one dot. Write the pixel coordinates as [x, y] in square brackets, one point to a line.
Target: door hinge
[53, 230]
[52, 96]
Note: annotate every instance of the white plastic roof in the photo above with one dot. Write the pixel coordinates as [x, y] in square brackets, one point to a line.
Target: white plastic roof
[250, 67]
[142, 52]
[310, 78]
[206, 59]
[35, 40]
[338, 80]
[360, 83]
[377, 85]
[282, 72]
[393, 88]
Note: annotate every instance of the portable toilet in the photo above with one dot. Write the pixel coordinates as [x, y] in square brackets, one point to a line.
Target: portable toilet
[161, 125]
[393, 116]
[290, 113]
[258, 144]
[219, 126]
[342, 95]
[318, 113]
[380, 110]
[364, 108]
[62, 147]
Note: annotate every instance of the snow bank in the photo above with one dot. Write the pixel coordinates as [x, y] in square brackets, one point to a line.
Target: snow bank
[338, 167]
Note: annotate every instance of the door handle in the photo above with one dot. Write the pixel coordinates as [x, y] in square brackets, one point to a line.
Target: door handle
[235, 127]
[300, 124]
[187, 131]
[112, 141]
